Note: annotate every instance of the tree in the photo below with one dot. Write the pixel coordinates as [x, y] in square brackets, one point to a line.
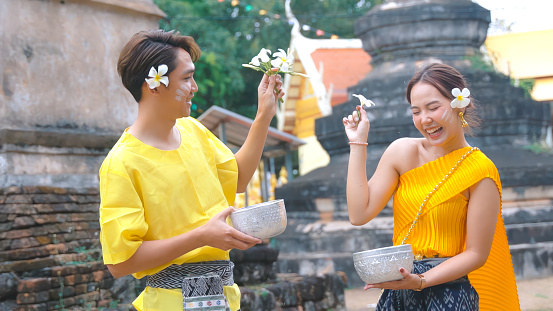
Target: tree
[230, 33]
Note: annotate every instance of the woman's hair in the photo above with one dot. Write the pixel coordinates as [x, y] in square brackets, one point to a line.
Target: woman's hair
[148, 49]
[445, 78]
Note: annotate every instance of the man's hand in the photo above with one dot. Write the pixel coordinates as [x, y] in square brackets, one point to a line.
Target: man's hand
[217, 233]
[268, 92]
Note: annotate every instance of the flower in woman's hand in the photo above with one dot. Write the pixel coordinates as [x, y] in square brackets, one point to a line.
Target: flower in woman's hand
[461, 98]
[157, 77]
[364, 102]
[283, 60]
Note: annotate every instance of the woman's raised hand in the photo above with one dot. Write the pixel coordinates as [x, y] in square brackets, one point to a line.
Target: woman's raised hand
[357, 129]
[217, 233]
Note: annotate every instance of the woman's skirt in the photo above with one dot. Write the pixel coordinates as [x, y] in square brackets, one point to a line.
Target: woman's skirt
[452, 296]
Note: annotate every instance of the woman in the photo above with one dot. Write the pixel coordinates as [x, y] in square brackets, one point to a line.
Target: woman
[447, 202]
[167, 185]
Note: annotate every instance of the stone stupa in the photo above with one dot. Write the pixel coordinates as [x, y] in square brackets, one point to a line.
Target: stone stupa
[401, 36]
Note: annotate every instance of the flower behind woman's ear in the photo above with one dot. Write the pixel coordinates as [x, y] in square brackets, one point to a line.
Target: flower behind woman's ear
[461, 98]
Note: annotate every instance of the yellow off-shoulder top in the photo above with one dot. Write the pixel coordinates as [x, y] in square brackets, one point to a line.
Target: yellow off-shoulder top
[441, 228]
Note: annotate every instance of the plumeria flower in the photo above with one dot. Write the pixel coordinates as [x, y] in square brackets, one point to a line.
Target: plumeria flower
[283, 63]
[461, 98]
[262, 57]
[157, 76]
[283, 60]
[364, 102]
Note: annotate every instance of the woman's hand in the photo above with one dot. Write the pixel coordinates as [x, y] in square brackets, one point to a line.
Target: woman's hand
[357, 129]
[268, 93]
[217, 233]
[409, 281]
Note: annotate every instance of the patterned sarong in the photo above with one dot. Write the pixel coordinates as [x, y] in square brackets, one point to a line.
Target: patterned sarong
[452, 296]
[201, 283]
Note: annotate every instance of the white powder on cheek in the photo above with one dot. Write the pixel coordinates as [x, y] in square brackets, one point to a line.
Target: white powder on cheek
[181, 92]
[447, 115]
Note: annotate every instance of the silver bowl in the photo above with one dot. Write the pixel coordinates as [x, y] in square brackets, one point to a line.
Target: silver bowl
[263, 220]
[382, 264]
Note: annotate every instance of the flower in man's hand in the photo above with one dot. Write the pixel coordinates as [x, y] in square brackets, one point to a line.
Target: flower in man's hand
[283, 60]
[262, 57]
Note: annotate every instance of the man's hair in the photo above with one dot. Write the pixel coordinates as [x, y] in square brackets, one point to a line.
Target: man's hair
[148, 49]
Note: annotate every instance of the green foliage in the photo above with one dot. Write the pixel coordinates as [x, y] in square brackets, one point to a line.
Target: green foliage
[90, 255]
[480, 63]
[112, 305]
[527, 85]
[60, 305]
[230, 36]
[539, 147]
[332, 16]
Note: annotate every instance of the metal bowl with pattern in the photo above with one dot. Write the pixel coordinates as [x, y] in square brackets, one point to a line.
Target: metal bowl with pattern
[382, 264]
[263, 220]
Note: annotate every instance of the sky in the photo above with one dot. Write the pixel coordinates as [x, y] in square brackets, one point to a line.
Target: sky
[522, 15]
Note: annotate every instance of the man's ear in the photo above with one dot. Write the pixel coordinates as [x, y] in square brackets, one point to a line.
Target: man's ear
[147, 90]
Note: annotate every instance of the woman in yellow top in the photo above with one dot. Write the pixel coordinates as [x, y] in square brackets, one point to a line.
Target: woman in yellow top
[167, 185]
[447, 202]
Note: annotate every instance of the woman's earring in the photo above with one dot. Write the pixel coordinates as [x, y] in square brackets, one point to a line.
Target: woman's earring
[463, 122]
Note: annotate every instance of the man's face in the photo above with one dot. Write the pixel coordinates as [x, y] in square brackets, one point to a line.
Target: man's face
[182, 86]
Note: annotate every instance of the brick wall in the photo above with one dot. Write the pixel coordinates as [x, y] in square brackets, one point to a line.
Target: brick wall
[50, 259]
[50, 255]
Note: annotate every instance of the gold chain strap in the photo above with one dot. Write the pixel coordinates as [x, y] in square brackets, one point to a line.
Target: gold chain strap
[425, 201]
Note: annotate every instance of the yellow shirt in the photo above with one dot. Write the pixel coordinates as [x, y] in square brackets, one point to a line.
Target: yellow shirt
[151, 194]
[441, 229]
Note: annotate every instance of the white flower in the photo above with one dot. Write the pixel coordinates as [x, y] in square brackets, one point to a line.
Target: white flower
[461, 98]
[363, 100]
[262, 57]
[283, 60]
[157, 76]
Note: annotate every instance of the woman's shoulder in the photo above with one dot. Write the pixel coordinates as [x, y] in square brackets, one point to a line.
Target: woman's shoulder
[406, 146]
[403, 153]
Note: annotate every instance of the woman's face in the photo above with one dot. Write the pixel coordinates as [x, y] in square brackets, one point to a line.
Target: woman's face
[434, 117]
[182, 86]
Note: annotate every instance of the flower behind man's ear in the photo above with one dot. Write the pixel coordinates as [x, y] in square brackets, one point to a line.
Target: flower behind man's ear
[157, 77]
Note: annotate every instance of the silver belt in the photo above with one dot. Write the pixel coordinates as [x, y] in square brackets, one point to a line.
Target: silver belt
[172, 276]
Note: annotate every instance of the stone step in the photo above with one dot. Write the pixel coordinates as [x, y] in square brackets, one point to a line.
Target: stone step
[530, 233]
[532, 260]
[320, 247]
[340, 236]
[334, 236]
[522, 215]
[529, 261]
[318, 264]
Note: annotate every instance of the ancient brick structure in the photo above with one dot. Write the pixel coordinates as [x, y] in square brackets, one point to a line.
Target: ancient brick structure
[49, 250]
